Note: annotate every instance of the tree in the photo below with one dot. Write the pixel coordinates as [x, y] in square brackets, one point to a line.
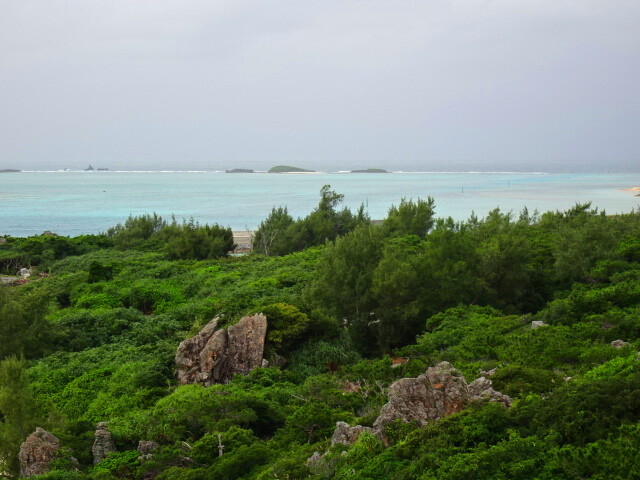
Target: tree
[416, 279]
[18, 413]
[136, 231]
[344, 278]
[24, 331]
[272, 236]
[192, 241]
[410, 218]
[279, 234]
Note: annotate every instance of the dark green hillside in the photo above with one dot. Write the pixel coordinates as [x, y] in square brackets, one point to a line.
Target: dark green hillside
[288, 169]
[546, 306]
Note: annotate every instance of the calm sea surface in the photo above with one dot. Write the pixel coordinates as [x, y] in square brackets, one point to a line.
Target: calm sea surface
[74, 203]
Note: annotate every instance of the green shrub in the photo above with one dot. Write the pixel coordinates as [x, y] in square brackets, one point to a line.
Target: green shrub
[286, 324]
[122, 465]
[206, 451]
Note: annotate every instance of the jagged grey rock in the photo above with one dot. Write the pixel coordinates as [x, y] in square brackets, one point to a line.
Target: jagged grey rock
[347, 435]
[24, 272]
[619, 343]
[246, 343]
[37, 452]
[214, 355]
[314, 458]
[103, 444]
[437, 393]
[537, 324]
[146, 449]
[482, 389]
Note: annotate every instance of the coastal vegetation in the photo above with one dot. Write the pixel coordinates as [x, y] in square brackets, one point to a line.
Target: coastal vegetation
[545, 305]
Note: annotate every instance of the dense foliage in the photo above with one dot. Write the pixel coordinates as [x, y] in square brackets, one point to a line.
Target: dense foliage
[188, 240]
[94, 340]
[280, 234]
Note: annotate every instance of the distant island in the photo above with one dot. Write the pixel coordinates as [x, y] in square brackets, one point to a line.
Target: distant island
[239, 170]
[9, 170]
[370, 170]
[288, 169]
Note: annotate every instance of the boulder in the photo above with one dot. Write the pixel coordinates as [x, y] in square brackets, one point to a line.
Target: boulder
[482, 389]
[215, 355]
[24, 272]
[246, 343]
[537, 324]
[146, 449]
[37, 452]
[103, 444]
[10, 281]
[347, 435]
[619, 343]
[439, 392]
[314, 458]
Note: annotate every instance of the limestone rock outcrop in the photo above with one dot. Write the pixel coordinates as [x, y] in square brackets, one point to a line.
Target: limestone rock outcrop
[347, 435]
[482, 389]
[537, 324]
[215, 355]
[146, 449]
[24, 272]
[619, 343]
[37, 452]
[437, 393]
[103, 444]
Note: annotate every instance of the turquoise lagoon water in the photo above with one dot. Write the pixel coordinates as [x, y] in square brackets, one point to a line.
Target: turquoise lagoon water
[74, 203]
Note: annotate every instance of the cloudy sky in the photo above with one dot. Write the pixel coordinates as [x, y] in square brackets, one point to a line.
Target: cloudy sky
[333, 84]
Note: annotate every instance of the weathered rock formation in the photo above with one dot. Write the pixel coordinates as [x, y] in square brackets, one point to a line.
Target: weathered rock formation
[146, 449]
[37, 452]
[619, 343]
[313, 459]
[346, 435]
[537, 324]
[214, 355]
[482, 389]
[439, 392]
[24, 272]
[103, 444]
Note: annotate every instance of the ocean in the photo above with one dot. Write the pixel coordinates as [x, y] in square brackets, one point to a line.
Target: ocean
[82, 202]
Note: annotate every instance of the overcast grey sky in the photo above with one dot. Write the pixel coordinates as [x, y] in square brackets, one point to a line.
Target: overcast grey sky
[331, 84]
